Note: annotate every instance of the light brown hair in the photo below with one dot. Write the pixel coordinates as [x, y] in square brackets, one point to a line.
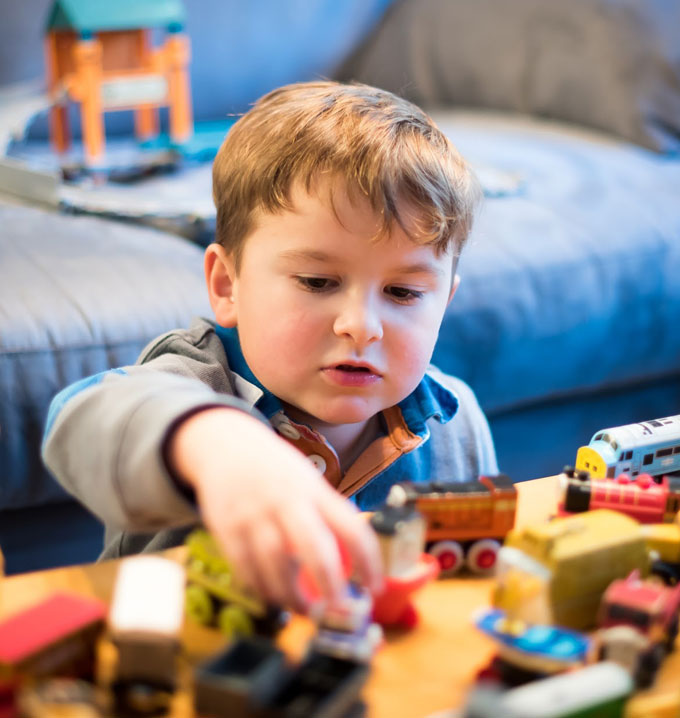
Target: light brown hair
[381, 145]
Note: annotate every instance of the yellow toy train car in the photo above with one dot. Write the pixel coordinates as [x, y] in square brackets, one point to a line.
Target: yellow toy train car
[555, 573]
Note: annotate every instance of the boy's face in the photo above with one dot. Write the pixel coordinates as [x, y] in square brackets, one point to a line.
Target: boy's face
[333, 323]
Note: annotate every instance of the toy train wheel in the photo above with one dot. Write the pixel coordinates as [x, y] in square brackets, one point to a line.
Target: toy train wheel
[199, 604]
[481, 557]
[450, 556]
[234, 621]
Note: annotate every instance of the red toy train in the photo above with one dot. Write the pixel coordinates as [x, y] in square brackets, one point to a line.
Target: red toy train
[641, 498]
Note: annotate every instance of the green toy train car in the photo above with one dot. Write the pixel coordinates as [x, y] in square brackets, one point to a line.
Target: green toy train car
[214, 596]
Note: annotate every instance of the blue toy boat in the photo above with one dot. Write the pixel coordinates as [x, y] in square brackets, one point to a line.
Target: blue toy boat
[547, 649]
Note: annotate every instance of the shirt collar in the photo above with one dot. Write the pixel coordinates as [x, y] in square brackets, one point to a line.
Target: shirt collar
[262, 398]
[430, 399]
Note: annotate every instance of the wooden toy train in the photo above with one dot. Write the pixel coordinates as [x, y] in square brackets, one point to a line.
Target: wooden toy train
[465, 522]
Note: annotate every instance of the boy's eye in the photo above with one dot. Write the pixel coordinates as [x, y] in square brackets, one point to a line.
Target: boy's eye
[403, 294]
[315, 284]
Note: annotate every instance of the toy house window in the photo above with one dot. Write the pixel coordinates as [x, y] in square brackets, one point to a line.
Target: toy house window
[629, 455]
[597, 437]
[676, 450]
[663, 452]
[648, 459]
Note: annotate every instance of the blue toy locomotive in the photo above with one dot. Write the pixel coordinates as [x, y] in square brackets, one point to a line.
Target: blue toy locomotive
[650, 447]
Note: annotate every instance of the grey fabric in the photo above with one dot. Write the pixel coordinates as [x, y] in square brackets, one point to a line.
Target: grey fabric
[609, 64]
[104, 438]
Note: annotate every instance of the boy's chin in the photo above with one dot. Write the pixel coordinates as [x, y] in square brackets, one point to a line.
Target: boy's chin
[354, 413]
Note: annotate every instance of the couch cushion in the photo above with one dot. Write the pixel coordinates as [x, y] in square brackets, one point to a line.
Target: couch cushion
[571, 282]
[608, 64]
[78, 295]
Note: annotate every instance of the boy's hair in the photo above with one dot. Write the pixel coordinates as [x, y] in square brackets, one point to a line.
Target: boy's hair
[382, 146]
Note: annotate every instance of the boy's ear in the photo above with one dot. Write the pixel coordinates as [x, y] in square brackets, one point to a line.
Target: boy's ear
[220, 277]
[454, 286]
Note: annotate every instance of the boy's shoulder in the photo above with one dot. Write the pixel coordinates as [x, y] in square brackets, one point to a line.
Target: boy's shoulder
[195, 352]
[199, 337]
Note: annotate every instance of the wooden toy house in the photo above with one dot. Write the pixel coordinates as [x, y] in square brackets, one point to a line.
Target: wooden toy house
[99, 54]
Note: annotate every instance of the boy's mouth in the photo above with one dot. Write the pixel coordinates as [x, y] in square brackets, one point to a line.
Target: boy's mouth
[349, 367]
[355, 368]
[354, 375]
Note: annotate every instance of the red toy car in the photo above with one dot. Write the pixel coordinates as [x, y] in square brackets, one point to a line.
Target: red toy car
[638, 622]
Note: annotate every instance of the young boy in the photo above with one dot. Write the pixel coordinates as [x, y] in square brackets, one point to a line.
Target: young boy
[341, 211]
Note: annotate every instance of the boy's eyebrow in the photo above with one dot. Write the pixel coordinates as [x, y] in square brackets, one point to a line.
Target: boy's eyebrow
[318, 256]
[422, 268]
[314, 254]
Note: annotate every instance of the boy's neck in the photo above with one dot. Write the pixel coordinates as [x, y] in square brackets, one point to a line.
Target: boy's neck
[348, 440]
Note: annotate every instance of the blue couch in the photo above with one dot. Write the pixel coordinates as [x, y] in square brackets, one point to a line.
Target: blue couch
[565, 319]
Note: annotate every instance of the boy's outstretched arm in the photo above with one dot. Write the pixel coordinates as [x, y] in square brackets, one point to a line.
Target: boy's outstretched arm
[269, 507]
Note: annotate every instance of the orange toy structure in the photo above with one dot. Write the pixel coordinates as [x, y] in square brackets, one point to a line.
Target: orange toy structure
[100, 56]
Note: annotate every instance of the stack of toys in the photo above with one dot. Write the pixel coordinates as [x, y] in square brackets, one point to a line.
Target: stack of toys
[586, 606]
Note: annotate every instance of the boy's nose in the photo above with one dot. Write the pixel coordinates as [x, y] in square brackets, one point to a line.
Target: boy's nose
[360, 322]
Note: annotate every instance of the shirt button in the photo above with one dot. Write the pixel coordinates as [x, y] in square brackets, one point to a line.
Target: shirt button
[318, 462]
[288, 430]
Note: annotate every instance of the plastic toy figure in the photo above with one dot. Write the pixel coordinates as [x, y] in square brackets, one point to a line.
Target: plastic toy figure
[145, 621]
[641, 497]
[214, 596]
[401, 532]
[347, 630]
[638, 622]
[556, 573]
[465, 522]
[651, 447]
[99, 55]
[597, 691]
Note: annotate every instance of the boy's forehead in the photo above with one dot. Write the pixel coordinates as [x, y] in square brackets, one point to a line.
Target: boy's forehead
[340, 201]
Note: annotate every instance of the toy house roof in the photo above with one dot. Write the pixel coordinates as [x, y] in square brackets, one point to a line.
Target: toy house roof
[94, 15]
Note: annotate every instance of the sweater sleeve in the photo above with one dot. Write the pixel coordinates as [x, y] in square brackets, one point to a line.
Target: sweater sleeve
[105, 435]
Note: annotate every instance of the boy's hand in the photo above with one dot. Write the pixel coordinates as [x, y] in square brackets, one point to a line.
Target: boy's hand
[270, 509]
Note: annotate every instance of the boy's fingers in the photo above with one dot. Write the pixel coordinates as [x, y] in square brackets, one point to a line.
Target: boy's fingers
[315, 547]
[236, 552]
[358, 538]
[273, 565]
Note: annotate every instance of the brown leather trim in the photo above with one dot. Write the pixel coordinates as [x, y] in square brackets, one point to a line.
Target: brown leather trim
[380, 453]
